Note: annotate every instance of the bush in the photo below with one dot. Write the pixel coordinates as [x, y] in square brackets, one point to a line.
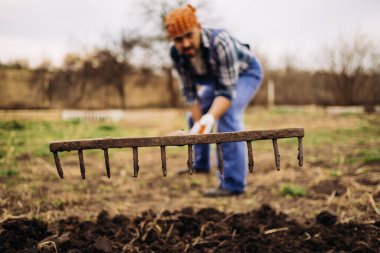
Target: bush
[12, 125]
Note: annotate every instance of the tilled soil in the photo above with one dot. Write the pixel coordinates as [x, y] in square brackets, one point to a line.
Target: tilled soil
[206, 230]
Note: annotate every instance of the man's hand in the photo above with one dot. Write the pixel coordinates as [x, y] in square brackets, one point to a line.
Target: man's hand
[204, 125]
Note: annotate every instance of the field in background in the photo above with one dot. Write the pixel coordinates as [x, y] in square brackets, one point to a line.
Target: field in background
[341, 171]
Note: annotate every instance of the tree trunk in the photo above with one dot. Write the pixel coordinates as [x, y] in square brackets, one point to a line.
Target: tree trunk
[173, 91]
[121, 91]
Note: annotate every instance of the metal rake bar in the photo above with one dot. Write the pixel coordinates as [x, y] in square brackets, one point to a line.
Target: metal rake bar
[189, 140]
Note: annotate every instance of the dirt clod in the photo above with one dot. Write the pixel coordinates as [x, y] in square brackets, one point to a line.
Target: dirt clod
[102, 244]
[329, 186]
[326, 218]
[18, 234]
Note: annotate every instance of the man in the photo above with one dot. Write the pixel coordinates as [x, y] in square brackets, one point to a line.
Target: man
[219, 77]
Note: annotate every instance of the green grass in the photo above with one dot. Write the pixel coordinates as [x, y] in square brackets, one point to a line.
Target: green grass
[358, 142]
[3, 152]
[195, 182]
[361, 135]
[368, 155]
[292, 190]
[58, 203]
[283, 110]
[334, 172]
[371, 156]
[34, 136]
[106, 128]
[8, 172]
[12, 125]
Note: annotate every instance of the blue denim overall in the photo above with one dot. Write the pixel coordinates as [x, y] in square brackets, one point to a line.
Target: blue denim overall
[234, 153]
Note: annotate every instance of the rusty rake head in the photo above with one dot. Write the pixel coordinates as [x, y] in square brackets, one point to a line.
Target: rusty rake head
[189, 140]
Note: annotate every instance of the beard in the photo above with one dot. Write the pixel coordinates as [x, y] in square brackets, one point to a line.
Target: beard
[189, 51]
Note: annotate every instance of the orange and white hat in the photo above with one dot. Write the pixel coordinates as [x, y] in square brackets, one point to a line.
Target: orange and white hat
[181, 21]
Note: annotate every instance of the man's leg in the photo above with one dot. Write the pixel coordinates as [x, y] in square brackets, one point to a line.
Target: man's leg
[202, 151]
[234, 153]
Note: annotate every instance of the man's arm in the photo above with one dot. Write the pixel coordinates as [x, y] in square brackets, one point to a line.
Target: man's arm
[203, 123]
[219, 107]
[196, 111]
[225, 86]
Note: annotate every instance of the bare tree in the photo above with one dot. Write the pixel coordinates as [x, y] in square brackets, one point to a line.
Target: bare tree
[349, 61]
[110, 71]
[40, 81]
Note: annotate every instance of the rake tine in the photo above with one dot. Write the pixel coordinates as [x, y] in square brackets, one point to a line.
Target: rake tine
[58, 164]
[251, 162]
[163, 159]
[107, 161]
[190, 160]
[276, 154]
[135, 162]
[300, 152]
[81, 164]
[220, 158]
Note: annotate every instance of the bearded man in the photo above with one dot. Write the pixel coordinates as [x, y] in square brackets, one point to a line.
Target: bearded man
[219, 76]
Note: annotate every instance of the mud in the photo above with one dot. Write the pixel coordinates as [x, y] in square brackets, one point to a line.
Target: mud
[206, 230]
[329, 186]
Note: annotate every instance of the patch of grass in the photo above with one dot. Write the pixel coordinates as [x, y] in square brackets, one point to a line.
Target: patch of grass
[361, 142]
[104, 188]
[366, 130]
[52, 177]
[285, 110]
[58, 203]
[8, 172]
[292, 190]
[36, 135]
[81, 186]
[363, 170]
[288, 142]
[42, 151]
[346, 114]
[3, 152]
[194, 182]
[317, 137]
[334, 172]
[175, 187]
[12, 125]
[106, 128]
[73, 122]
[369, 155]
[361, 135]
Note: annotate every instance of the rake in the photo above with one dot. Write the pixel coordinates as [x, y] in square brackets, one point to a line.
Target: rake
[189, 140]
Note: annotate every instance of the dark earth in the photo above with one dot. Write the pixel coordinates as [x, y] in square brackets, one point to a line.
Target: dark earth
[207, 230]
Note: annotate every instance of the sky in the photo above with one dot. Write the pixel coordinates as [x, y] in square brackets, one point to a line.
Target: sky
[38, 30]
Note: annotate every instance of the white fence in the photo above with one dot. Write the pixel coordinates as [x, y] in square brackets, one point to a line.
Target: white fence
[112, 115]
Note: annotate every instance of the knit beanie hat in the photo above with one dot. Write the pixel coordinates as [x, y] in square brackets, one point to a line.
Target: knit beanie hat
[180, 21]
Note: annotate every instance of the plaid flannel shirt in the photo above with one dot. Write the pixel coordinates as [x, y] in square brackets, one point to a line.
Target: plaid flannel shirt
[226, 58]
